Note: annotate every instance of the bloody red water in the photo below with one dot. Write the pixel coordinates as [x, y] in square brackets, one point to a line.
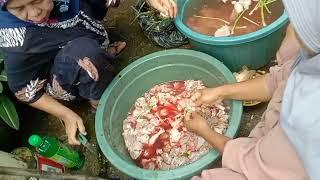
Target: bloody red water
[166, 111]
[154, 131]
[218, 9]
[149, 150]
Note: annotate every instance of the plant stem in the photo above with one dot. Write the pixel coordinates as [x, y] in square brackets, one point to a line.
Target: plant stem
[255, 8]
[262, 13]
[265, 5]
[153, 24]
[236, 21]
[211, 18]
[270, 1]
[258, 5]
[251, 21]
[240, 27]
[139, 14]
[144, 3]
[262, 4]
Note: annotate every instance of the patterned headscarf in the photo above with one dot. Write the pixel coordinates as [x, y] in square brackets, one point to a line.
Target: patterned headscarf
[300, 115]
[64, 15]
[7, 20]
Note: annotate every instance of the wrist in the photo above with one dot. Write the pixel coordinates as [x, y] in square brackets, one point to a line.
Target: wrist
[205, 132]
[221, 91]
[65, 114]
[225, 91]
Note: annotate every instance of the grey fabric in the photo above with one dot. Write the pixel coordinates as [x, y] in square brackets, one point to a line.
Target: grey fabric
[300, 114]
[304, 15]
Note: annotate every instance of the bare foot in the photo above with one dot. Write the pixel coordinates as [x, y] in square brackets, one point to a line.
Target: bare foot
[116, 47]
[94, 105]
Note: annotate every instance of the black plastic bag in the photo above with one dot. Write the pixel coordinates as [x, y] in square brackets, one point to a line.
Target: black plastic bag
[160, 30]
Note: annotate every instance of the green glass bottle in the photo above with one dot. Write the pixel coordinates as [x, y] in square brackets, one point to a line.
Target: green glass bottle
[51, 148]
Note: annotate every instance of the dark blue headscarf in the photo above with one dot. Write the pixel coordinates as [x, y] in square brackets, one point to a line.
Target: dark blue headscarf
[7, 20]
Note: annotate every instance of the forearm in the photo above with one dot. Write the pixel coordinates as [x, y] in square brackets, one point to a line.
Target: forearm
[215, 139]
[255, 89]
[72, 121]
[50, 105]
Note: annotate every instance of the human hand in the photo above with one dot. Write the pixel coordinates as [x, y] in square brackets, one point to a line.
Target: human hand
[73, 123]
[208, 96]
[166, 7]
[196, 123]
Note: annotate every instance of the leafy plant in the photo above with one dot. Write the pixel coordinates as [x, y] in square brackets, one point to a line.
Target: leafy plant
[8, 112]
[263, 5]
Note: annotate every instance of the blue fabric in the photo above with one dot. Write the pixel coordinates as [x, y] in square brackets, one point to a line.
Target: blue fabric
[76, 80]
[7, 20]
[300, 114]
[42, 54]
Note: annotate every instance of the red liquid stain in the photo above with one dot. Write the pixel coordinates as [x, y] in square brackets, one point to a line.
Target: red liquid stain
[167, 113]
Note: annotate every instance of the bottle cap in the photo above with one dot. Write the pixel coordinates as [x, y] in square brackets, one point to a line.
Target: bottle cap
[35, 140]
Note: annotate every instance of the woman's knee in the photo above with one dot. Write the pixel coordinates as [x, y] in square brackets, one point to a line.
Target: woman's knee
[84, 54]
[80, 48]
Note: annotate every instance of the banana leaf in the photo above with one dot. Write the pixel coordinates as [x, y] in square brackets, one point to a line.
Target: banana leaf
[4, 73]
[3, 77]
[8, 112]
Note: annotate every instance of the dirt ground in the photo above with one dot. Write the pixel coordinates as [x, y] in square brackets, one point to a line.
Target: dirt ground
[119, 21]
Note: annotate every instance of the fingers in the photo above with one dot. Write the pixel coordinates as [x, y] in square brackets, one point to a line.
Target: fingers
[167, 4]
[72, 132]
[196, 98]
[175, 8]
[160, 7]
[196, 115]
[166, 7]
[81, 127]
[192, 104]
[188, 116]
[72, 137]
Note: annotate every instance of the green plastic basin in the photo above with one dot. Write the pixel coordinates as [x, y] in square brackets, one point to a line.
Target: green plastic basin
[253, 50]
[137, 78]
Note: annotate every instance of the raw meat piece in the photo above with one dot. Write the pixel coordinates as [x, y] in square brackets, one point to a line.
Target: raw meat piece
[154, 133]
[223, 31]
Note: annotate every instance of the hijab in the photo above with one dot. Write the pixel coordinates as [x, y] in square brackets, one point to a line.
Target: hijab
[300, 112]
[67, 9]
